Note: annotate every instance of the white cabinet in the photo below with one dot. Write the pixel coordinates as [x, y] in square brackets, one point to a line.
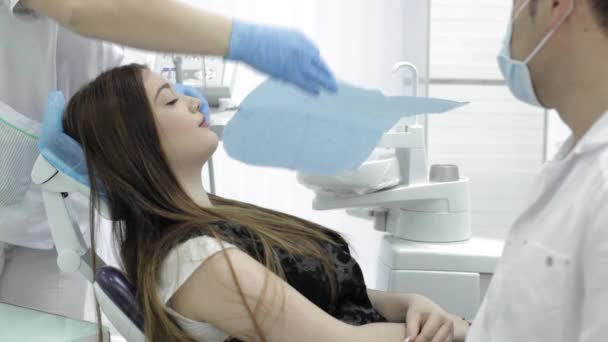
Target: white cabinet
[455, 275]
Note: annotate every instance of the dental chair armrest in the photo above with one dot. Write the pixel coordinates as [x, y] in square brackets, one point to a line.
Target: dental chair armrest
[121, 292]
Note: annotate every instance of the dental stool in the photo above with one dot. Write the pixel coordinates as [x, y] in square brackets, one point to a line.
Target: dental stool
[60, 170]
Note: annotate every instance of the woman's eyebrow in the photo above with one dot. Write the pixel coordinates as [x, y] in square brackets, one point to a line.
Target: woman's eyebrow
[164, 86]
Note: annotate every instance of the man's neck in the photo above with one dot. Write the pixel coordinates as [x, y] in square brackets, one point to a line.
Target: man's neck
[584, 94]
[581, 113]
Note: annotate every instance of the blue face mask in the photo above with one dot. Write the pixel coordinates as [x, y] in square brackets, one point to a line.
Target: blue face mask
[517, 73]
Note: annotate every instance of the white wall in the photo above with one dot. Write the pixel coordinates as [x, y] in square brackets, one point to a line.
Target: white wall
[496, 140]
[360, 39]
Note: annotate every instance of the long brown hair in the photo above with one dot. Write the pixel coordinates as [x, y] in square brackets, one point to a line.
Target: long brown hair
[113, 120]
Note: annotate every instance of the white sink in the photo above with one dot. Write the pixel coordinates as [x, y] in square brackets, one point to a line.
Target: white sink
[380, 171]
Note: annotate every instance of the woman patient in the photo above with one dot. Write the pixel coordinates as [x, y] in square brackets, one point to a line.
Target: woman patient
[213, 269]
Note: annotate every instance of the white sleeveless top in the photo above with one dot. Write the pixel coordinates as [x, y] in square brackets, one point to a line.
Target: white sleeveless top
[176, 269]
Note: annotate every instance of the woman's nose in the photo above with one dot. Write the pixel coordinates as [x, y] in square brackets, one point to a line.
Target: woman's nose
[195, 105]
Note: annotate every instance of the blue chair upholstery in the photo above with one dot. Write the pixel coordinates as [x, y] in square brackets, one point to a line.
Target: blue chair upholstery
[116, 286]
[58, 148]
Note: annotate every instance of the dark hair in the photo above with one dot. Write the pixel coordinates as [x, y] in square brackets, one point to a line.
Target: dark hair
[599, 7]
[114, 122]
[600, 11]
[533, 8]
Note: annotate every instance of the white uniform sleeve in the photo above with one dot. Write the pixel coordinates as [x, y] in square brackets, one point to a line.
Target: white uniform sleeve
[595, 275]
[2, 257]
[80, 60]
[22, 215]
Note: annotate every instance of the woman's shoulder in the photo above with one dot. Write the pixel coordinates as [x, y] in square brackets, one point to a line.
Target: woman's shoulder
[181, 262]
[199, 247]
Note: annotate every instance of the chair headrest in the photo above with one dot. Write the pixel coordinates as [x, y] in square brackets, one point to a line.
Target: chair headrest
[58, 148]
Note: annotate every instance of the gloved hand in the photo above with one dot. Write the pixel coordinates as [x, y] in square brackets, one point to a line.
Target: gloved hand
[281, 53]
[189, 91]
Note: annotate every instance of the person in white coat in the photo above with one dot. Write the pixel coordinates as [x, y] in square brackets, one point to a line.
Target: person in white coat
[43, 48]
[551, 284]
[37, 57]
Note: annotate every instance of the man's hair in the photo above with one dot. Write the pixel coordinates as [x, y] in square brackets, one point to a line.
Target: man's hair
[533, 7]
[599, 8]
[600, 11]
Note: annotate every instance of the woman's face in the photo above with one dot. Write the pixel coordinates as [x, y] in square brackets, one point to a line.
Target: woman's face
[184, 135]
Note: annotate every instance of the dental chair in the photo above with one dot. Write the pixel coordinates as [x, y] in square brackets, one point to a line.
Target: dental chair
[60, 170]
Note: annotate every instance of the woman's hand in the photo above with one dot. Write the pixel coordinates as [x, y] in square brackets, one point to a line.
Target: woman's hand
[461, 329]
[427, 321]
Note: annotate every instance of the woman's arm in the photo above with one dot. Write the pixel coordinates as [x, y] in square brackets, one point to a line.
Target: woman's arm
[210, 295]
[395, 308]
[391, 306]
[158, 25]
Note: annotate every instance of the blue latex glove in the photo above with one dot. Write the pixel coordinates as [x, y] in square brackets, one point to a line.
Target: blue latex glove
[281, 53]
[189, 91]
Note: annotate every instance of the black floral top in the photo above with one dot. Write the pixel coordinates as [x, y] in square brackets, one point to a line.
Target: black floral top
[305, 274]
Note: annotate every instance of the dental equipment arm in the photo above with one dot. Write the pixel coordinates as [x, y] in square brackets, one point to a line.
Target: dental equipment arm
[115, 294]
[73, 255]
[175, 27]
[59, 170]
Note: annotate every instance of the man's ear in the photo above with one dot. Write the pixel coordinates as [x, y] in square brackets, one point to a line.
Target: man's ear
[560, 9]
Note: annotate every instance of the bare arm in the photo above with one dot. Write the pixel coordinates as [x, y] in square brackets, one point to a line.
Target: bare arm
[158, 25]
[394, 307]
[210, 295]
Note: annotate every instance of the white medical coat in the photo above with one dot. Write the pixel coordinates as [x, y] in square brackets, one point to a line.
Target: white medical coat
[36, 57]
[551, 284]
